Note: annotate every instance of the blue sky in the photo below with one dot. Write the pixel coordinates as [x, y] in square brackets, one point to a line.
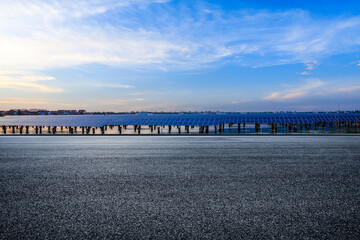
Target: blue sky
[159, 55]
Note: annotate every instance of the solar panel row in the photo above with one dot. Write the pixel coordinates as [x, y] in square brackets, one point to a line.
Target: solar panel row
[175, 119]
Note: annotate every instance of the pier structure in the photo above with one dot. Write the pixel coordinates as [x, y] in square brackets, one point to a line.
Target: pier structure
[160, 124]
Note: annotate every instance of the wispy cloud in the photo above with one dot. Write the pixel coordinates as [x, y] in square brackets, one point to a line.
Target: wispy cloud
[111, 85]
[120, 101]
[273, 96]
[38, 35]
[24, 102]
[310, 64]
[296, 91]
[305, 73]
[313, 87]
[149, 92]
[52, 34]
[240, 101]
[348, 89]
[27, 82]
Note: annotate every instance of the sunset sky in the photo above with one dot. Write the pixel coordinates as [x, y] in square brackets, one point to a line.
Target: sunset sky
[159, 55]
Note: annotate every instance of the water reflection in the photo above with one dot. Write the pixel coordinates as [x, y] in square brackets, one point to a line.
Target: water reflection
[241, 129]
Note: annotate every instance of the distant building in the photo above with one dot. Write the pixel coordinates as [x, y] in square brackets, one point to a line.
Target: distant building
[33, 111]
[41, 112]
[62, 112]
[11, 112]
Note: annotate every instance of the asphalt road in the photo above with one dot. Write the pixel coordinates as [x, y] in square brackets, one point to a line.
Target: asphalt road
[141, 187]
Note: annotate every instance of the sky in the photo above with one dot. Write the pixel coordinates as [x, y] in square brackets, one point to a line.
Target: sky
[173, 55]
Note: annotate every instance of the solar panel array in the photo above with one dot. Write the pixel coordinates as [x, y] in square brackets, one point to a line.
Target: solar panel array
[54, 120]
[166, 119]
[175, 119]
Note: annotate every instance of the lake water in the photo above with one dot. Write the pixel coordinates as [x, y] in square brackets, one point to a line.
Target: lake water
[179, 187]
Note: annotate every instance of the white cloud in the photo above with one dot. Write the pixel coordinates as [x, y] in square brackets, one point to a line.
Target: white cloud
[37, 35]
[310, 64]
[41, 34]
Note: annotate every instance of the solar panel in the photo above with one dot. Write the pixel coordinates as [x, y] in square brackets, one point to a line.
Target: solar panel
[174, 119]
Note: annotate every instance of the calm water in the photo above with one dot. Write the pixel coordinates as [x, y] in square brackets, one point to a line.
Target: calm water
[174, 130]
[179, 187]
